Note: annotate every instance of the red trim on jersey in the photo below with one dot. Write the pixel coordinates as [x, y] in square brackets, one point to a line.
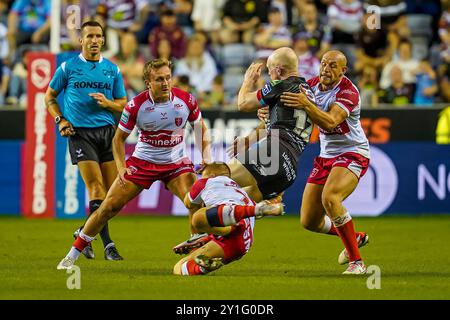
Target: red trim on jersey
[130, 112]
[197, 189]
[313, 81]
[348, 95]
[190, 101]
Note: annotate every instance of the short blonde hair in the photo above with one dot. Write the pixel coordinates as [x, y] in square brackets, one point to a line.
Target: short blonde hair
[155, 64]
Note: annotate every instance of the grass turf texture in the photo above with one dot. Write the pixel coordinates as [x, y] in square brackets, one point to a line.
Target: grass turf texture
[285, 262]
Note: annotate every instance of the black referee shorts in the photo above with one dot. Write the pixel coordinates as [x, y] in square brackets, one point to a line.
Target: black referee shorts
[273, 165]
[93, 144]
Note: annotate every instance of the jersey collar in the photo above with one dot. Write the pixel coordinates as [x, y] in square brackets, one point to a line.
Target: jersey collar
[171, 97]
[82, 58]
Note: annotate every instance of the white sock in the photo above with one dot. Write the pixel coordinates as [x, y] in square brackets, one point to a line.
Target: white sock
[340, 221]
[85, 237]
[228, 216]
[327, 225]
[73, 253]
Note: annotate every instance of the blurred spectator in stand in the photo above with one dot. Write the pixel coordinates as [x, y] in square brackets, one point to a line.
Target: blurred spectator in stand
[4, 81]
[214, 99]
[183, 11]
[319, 33]
[426, 84]
[17, 91]
[122, 15]
[373, 50]
[183, 82]
[444, 74]
[344, 18]
[308, 64]
[405, 62]
[398, 93]
[28, 22]
[4, 11]
[198, 64]
[368, 87]
[444, 27]
[285, 7]
[240, 19]
[272, 35]
[443, 127]
[131, 64]
[164, 50]
[206, 17]
[170, 31]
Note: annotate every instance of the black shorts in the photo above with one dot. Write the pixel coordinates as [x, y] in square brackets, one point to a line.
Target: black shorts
[92, 144]
[274, 170]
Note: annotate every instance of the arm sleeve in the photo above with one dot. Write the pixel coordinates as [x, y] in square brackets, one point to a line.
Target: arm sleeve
[195, 195]
[59, 81]
[263, 95]
[129, 116]
[347, 99]
[119, 88]
[194, 114]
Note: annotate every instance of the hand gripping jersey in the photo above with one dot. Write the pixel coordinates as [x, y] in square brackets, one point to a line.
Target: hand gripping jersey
[161, 125]
[294, 126]
[348, 136]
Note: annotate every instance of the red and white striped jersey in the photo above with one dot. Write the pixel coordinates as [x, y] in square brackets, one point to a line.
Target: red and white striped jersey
[161, 126]
[348, 136]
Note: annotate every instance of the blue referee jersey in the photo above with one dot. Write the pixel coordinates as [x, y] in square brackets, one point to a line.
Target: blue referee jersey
[80, 77]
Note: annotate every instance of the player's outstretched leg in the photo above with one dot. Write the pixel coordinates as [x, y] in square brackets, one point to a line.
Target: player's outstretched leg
[117, 197]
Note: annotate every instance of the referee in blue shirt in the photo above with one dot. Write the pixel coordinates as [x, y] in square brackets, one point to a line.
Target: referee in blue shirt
[94, 89]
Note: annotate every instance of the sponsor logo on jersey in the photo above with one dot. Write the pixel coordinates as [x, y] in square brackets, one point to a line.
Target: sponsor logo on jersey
[266, 89]
[164, 140]
[133, 169]
[178, 106]
[347, 91]
[108, 73]
[125, 117]
[149, 109]
[164, 116]
[92, 84]
[178, 121]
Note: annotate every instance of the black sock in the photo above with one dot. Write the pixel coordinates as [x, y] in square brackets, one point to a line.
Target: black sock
[104, 234]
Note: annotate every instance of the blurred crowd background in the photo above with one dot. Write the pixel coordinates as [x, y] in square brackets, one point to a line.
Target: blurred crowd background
[401, 59]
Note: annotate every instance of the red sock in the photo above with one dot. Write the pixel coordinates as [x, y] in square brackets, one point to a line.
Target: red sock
[333, 231]
[242, 212]
[346, 232]
[80, 244]
[191, 268]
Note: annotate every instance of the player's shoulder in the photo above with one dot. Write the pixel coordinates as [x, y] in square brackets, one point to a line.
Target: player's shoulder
[187, 97]
[109, 63]
[140, 99]
[346, 86]
[313, 81]
[71, 64]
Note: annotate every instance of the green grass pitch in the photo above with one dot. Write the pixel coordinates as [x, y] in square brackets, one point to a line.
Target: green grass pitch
[285, 262]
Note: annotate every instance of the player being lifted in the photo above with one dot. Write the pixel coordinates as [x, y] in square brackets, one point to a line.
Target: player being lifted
[266, 164]
[228, 217]
[93, 90]
[343, 160]
[161, 114]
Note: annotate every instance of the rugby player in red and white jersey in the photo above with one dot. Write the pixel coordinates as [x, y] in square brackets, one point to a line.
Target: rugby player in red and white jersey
[343, 160]
[228, 217]
[161, 114]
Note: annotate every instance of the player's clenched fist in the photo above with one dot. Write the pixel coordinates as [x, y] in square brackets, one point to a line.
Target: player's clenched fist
[65, 128]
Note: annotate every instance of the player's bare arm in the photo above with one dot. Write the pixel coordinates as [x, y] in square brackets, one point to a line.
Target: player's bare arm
[118, 146]
[203, 139]
[115, 105]
[327, 120]
[64, 126]
[247, 99]
[189, 204]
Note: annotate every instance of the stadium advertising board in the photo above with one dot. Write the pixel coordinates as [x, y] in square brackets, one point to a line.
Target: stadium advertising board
[39, 159]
